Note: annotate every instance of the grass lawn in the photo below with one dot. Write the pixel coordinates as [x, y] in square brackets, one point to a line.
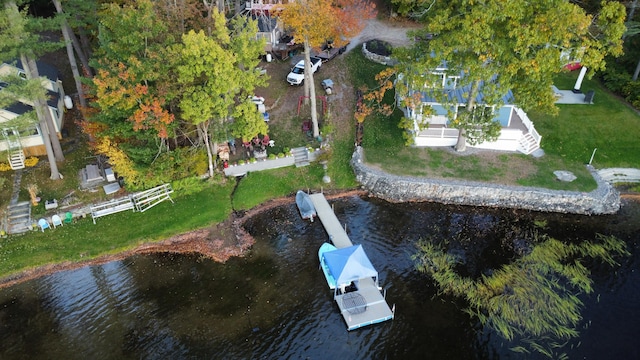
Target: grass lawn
[608, 125]
[568, 141]
[83, 240]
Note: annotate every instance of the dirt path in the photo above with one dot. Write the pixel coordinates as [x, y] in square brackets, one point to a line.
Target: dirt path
[391, 32]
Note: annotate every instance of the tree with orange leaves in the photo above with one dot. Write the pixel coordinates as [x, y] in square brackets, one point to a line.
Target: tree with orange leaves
[314, 22]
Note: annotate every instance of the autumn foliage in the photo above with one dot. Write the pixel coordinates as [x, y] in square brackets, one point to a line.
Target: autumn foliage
[372, 99]
[317, 21]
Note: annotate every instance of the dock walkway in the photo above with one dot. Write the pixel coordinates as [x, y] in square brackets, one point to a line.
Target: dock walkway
[363, 307]
[332, 226]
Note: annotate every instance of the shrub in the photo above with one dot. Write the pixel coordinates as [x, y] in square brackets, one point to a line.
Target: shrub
[189, 185]
[5, 167]
[272, 156]
[31, 161]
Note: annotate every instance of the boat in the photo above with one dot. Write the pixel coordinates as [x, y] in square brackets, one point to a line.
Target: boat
[326, 247]
[305, 205]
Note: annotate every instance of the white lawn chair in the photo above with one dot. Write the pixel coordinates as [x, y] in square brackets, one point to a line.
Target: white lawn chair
[43, 224]
[56, 220]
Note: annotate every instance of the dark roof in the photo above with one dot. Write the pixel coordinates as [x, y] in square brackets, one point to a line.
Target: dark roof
[265, 23]
[44, 69]
[19, 108]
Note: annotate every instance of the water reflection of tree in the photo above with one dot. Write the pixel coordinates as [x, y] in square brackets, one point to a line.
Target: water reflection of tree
[534, 298]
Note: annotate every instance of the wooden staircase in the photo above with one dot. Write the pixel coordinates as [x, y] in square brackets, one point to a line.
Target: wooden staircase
[14, 148]
[19, 218]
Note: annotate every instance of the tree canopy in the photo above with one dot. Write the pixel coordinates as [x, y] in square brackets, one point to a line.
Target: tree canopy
[157, 89]
[508, 45]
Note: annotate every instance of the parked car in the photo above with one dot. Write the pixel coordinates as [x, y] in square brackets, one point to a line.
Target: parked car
[296, 76]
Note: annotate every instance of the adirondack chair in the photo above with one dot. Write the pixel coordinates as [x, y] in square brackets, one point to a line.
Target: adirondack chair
[56, 220]
[43, 224]
[68, 217]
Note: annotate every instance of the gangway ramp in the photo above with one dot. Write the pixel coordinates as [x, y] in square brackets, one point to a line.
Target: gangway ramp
[332, 226]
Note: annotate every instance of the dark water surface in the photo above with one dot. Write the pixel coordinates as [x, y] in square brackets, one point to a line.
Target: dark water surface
[275, 304]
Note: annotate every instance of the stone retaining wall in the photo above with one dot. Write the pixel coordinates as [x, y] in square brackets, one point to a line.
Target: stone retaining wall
[604, 200]
[384, 60]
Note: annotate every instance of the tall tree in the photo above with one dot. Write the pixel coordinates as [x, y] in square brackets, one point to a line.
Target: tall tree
[508, 45]
[132, 82]
[216, 75]
[67, 34]
[18, 40]
[314, 22]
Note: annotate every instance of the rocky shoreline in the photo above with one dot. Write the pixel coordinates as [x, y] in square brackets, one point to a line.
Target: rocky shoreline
[605, 199]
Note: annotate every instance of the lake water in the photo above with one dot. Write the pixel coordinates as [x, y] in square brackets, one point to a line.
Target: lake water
[275, 304]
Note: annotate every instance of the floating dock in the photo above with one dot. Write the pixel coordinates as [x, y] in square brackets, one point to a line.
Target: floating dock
[366, 305]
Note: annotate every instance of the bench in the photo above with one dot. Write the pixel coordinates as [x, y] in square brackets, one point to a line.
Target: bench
[588, 97]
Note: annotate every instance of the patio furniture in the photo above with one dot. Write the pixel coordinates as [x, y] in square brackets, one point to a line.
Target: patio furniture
[265, 140]
[68, 217]
[56, 220]
[43, 224]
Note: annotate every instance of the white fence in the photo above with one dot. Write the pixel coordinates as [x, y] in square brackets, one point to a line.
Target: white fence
[141, 201]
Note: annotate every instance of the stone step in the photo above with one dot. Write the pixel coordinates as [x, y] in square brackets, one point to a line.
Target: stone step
[18, 217]
[18, 228]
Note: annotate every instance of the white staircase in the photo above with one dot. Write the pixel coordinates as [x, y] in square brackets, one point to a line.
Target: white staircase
[14, 148]
[16, 159]
[527, 144]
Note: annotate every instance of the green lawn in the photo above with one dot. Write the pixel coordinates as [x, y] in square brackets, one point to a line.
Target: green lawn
[83, 240]
[567, 139]
[608, 125]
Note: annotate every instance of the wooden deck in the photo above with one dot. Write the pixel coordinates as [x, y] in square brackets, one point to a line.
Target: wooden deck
[363, 307]
[374, 308]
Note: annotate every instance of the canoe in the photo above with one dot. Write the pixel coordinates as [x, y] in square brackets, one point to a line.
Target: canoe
[305, 205]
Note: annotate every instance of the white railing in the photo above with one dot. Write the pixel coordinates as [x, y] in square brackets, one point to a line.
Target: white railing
[442, 132]
[141, 201]
[529, 125]
[149, 198]
[111, 207]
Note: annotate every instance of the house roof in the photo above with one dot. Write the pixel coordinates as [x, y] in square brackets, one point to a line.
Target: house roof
[459, 95]
[53, 97]
[265, 23]
[19, 108]
[44, 69]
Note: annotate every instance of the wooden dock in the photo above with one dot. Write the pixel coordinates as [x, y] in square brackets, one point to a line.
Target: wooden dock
[367, 305]
[332, 226]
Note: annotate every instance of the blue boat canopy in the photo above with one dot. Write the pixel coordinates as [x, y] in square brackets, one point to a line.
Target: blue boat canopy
[349, 264]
